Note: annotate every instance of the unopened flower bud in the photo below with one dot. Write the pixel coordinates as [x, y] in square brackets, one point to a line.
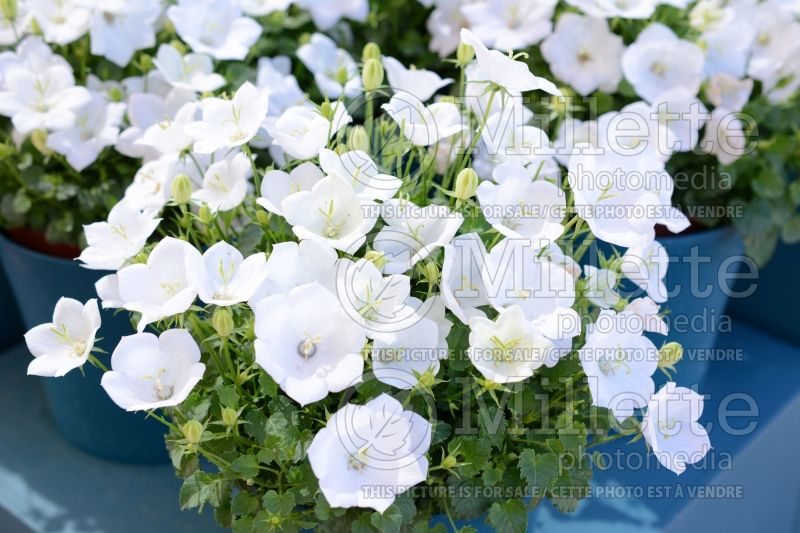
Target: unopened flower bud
[9, 9]
[371, 51]
[181, 189]
[193, 432]
[449, 462]
[262, 217]
[205, 215]
[359, 139]
[222, 322]
[39, 141]
[427, 379]
[372, 74]
[466, 184]
[670, 355]
[377, 258]
[229, 416]
[340, 149]
[431, 272]
[326, 110]
[145, 63]
[464, 54]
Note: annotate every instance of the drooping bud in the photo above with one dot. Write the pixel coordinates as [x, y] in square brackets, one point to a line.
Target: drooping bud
[464, 54]
[39, 141]
[466, 184]
[670, 355]
[181, 189]
[372, 74]
[193, 431]
[222, 322]
[371, 51]
[359, 139]
[449, 462]
[262, 217]
[229, 416]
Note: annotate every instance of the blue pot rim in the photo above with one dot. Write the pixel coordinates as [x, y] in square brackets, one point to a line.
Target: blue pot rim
[33, 254]
[697, 236]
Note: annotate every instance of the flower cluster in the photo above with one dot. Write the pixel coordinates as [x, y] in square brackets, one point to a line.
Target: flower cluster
[690, 85]
[364, 297]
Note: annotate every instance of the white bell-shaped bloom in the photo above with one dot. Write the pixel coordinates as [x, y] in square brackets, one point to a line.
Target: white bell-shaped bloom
[121, 27]
[584, 53]
[626, 9]
[275, 74]
[379, 304]
[230, 123]
[424, 125]
[278, 185]
[121, 237]
[149, 372]
[504, 71]
[326, 13]
[463, 290]
[360, 170]
[420, 83]
[601, 286]
[622, 197]
[160, 288]
[508, 349]
[190, 72]
[225, 184]
[672, 430]
[724, 136]
[61, 21]
[510, 24]
[399, 357]
[307, 343]
[224, 277]
[648, 311]
[302, 132]
[291, 264]
[370, 446]
[619, 362]
[334, 69]
[64, 343]
[728, 92]
[96, 126]
[646, 265]
[214, 27]
[412, 233]
[331, 213]
[659, 61]
[517, 205]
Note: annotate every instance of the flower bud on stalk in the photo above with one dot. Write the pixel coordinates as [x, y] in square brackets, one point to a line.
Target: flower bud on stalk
[464, 54]
[193, 432]
[39, 141]
[181, 189]
[377, 258]
[205, 215]
[229, 416]
[222, 322]
[670, 355]
[466, 184]
[359, 139]
[372, 74]
[371, 51]
[9, 9]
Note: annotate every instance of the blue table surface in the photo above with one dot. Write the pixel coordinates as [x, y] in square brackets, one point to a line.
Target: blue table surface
[749, 482]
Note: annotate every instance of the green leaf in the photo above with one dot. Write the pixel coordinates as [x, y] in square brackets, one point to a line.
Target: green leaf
[228, 396]
[508, 517]
[539, 469]
[202, 488]
[278, 504]
[246, 466]
[791, 231]
[472, 451]
[244, 503]
[769, 184]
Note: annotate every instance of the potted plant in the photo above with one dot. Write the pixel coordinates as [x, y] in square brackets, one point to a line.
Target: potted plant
[714, 84]
[87, 95]
[347, 329]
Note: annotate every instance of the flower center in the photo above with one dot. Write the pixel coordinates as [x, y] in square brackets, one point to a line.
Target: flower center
[358, 460]
[308, 348]
[163, 392]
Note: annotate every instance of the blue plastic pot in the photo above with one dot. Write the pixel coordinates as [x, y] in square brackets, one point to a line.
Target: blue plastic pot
[701, 277]
[10, 324]
[767, 301]
[81, 410]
